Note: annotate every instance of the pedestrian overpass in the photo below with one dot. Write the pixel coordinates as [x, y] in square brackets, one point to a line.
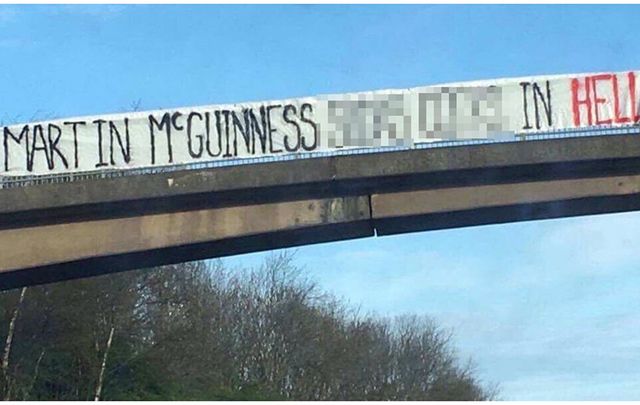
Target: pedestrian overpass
[76, 225]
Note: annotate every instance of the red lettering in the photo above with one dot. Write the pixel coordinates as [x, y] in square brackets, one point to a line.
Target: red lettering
[632, 96]
[575, 87]
[618, 118]
[591, 102]
[597, 100]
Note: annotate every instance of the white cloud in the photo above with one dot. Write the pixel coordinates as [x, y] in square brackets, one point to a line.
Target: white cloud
[563, 386]
[572, 250]
[596, 242]
[395, 281]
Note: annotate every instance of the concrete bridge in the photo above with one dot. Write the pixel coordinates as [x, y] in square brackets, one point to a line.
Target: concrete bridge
[51, 232]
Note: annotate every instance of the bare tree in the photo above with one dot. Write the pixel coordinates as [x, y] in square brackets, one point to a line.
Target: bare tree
[200, 330]
[104, 364]
[8, 344]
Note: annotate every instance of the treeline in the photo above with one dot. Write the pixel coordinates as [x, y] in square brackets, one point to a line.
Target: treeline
[203, 331]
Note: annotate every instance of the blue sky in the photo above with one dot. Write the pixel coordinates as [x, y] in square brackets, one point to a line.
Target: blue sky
[548, 309]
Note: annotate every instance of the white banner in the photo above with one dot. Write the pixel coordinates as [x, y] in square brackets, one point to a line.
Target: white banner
[470, 110]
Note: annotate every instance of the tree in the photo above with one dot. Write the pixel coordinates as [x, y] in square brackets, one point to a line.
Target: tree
[201, 331]
[4, 365]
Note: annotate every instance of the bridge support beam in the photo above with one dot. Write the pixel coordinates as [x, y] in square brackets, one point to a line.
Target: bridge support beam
[422, 210]
[69, 250]
[46, 253]
[52, 232]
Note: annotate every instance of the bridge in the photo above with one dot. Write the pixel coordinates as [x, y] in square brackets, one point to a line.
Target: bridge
[66, 227]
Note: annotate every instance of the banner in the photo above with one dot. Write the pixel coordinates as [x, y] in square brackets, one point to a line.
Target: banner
[402, 117]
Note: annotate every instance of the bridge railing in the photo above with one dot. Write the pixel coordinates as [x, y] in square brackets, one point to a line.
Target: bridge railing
[23, 181]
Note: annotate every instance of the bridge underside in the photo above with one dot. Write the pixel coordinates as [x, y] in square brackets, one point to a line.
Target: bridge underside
[55, 232]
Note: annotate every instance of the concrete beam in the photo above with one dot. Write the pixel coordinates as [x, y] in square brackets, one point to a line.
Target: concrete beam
[320, 178]
[467, 206]
[61, 231]
[35, 254]
[48, 253]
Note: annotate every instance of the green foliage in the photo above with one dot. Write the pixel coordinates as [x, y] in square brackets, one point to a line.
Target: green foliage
[198, 331]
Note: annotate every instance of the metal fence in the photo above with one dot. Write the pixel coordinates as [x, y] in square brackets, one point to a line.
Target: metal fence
[23, 181]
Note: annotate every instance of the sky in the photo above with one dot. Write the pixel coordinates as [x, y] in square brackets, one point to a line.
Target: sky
[546, 309]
